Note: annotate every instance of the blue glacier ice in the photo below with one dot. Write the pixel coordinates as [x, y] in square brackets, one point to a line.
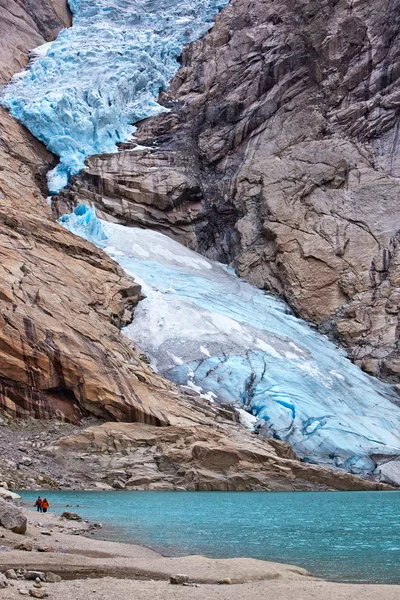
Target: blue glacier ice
[83, 92]
[204, 327]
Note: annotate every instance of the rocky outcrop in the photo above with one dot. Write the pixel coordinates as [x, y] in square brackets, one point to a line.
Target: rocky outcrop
[280, 156]
[225, 457]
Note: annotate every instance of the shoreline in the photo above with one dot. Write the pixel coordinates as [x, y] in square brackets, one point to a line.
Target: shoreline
[88, 565]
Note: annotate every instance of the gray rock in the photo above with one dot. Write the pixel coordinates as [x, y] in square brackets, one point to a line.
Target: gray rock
[11, 574]
[71, 516]
[3, 581]
[12, 518]
[38, 593]
[52, 577]
[33, 575]
[179, 579]
[389, 472]
[26, 461]
[24, 591]
[118, 485]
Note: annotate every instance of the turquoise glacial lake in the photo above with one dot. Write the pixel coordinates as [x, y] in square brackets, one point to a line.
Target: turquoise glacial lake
[340, 536]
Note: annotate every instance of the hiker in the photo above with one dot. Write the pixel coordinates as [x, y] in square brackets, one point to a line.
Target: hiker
[45, 505]
[39, 504]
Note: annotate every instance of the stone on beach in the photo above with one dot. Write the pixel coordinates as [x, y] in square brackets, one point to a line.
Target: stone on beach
[12, 518]
[53, 577]
[26, 546]
[11, 574]
[178, 579]
[71, 516]
[33, 575]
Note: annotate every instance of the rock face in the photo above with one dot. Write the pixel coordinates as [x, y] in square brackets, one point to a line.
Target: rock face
[280, 156]
[11, 517]
[224, 457]
[62, 301]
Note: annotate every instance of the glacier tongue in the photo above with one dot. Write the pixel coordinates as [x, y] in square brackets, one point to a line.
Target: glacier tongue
[82, 93]
[203, 326]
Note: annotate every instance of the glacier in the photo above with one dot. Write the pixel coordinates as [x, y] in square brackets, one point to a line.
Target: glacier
[82, 93]
[203, 327]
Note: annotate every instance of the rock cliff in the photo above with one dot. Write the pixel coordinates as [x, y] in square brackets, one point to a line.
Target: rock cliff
[62, 301]
[280, 156]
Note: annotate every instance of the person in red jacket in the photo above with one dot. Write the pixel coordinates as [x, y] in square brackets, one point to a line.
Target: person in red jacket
[45, 505]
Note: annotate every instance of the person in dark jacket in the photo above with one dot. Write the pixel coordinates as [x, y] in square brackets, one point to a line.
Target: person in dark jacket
[39, 504]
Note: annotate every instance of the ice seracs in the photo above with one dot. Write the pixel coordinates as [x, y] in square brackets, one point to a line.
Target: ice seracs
[83, 92]
[204, 327]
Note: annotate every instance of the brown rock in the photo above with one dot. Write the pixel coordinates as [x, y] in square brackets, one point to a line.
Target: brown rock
[45, 549]
[195, 458]
[26, 545]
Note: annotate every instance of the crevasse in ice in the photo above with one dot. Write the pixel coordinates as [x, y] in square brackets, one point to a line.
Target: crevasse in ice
[82, 93]
[203, 326]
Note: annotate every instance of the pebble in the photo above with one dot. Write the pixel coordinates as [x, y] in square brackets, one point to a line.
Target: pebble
[226, 581]
[23, 591]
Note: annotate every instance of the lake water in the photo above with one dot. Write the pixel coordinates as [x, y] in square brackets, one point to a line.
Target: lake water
[341, 536]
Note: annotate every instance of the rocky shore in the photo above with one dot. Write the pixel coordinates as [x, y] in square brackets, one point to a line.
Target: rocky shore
[74, 567]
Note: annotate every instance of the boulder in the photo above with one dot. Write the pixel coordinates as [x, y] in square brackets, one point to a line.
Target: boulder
[8, 495]
[3, 581]
[389, 472]
[118, 485]
[71, 516]
[11, 574]
[12, 518]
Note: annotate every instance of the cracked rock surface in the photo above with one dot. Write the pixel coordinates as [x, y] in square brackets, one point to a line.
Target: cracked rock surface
[280, 156]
